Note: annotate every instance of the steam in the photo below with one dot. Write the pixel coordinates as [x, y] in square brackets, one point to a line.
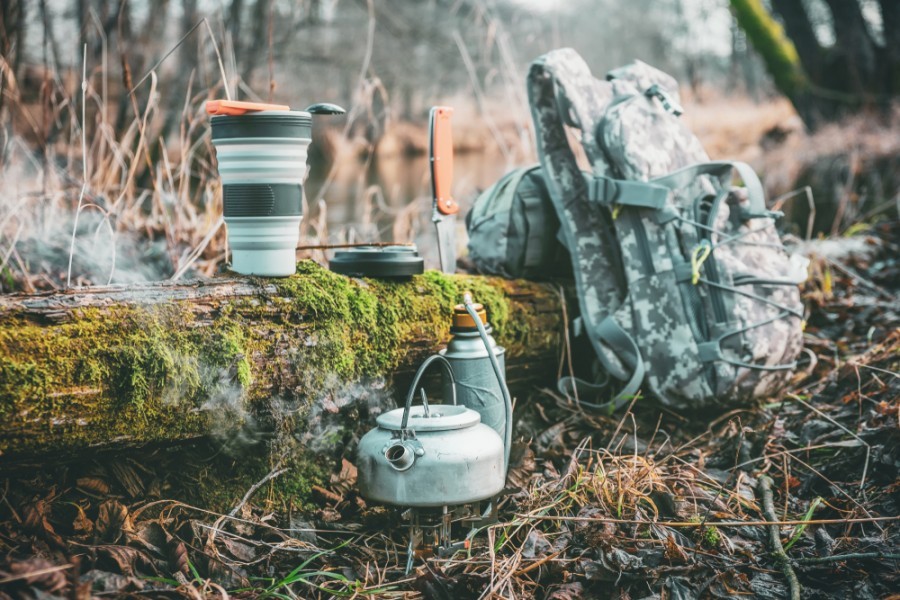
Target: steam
[341, 411]
[101, 255]
[231, 425]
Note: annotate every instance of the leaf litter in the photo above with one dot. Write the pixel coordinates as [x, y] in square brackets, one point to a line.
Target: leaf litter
[649, 504]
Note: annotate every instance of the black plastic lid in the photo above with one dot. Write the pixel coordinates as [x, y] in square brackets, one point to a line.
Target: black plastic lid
[384, 262]
[266, 124]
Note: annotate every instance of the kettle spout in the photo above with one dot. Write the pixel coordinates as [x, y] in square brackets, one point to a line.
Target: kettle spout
[400, 456]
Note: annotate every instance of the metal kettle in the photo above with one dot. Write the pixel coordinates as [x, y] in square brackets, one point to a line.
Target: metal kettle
[431, 455]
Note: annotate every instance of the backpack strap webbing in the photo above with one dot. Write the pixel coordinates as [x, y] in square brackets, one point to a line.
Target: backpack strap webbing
[622, 342]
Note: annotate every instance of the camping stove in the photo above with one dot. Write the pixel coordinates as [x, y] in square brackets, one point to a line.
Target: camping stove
[432, 531]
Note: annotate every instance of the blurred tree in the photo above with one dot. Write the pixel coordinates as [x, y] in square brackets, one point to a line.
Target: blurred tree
[860, 69]
[12, 38]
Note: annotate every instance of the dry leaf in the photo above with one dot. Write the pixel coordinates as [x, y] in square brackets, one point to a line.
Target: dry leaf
[34, 573]
[82, 524]
[111, 518]
[179, 559]
[345, 480]
[35, 520]
[127, 559]
[566, 591]
[128, 478]
[92, 485]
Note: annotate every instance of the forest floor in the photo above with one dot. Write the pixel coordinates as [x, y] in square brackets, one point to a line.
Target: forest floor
[797, 496]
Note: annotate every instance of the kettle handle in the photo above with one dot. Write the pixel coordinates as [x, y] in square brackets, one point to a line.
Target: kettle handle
[412, 388]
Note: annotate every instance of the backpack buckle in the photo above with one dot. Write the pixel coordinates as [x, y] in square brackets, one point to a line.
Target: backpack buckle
[668, 102]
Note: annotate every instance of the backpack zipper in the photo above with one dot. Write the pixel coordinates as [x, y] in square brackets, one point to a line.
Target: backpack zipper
[706, 215]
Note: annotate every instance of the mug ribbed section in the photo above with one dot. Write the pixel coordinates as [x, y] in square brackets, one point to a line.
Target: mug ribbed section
[273, 160]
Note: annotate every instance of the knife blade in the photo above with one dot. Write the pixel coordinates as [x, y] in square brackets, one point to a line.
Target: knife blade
[444, 207]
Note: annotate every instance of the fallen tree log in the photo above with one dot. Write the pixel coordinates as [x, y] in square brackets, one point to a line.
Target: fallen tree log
[104, 367]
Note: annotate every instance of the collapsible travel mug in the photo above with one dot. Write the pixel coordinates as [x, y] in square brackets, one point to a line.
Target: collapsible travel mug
[262, 163]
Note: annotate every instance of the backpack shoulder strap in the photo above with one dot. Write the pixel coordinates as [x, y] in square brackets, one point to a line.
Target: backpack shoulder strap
[562, 91]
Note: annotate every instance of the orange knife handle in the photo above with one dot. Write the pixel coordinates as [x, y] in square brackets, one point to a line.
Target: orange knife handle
[447, 206]
[442, 159]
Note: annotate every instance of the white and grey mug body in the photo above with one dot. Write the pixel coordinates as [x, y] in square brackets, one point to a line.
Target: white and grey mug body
[262, 164]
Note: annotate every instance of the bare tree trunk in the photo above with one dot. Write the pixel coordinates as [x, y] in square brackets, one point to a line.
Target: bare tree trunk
[257, 40]
[853, 65]
[890, 17]
[122, 19]
[49, 37]
[12, 35]
[825, 84]
[235, 12]
[800, 30]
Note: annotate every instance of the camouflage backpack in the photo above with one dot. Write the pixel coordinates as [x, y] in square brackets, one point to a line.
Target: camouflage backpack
[684, 287]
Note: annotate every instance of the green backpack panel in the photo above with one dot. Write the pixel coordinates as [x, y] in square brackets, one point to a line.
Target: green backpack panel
[513, 229]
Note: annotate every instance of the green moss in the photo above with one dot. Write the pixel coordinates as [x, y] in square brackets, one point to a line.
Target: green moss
[224, 480]
[126, 372]
[708, 535]
[769, 39]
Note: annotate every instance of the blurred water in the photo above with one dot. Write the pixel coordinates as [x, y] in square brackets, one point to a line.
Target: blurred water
[389, 199]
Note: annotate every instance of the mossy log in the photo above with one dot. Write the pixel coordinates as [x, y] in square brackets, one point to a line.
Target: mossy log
[102, 367]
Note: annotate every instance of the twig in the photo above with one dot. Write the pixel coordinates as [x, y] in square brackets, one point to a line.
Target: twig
[177, 45]
[862, 480]
[765, 491]
[46, 571]
[196, 252]
[327, 494]
[536, 564]
[815, 560]
[880, 370]
[479, 97]
[356, 245]
[84, 165]
[272, 475]
[854, 275]
[708, 523]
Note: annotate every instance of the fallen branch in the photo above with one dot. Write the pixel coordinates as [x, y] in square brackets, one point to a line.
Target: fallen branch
[164, 362]
[767, 523]
[815, 560]
[272, 475]
[37, 573]
[765, 492]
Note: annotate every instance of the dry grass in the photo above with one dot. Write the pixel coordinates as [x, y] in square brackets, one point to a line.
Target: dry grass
[88, 202]
[125, 188]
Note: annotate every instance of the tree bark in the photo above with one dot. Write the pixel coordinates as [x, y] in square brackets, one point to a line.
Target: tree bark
[778, 53]
[800, 30]
[854, 63]
[133, 365]
[825, 84]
